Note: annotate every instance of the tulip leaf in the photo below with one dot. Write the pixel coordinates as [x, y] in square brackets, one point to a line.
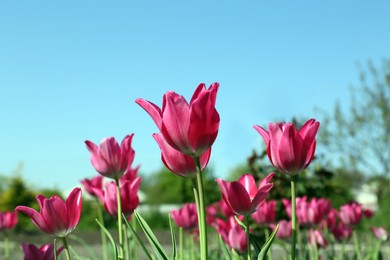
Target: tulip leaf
[85, 245]
[158, 249]
[225, 250]
[109, 237]
[137, 239]
[173, 236]
[55, 248]
[240, 222]
[263, 253]
[255, 244]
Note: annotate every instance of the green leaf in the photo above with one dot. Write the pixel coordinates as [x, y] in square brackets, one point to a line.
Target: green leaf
[55, 248]
[158, 249]
[240, 222]
[224, 249]
[263, 253]
[173, 236]
[109, 237]
[137, 239]
[85, 245]
[256, 245]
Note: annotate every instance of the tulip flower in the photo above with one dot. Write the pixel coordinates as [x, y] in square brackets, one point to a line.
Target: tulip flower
[109, 159]
[93, 183]
[351, 214]
[8, 220]
[290, 151]
[56, 217]
[45, 252]
[266, 213]
[341, 231]
[284, 231]
[317, 239]
[243, 196]
[186, 217]
[380, 232]
[177, 162]
[128, 193]
[232, 233]
[225, 208]
[190, 128]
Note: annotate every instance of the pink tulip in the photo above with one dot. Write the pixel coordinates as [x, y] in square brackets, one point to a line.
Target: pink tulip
[190, 128]
[232, 233]
[131, 174]
[290, 151]
[109, 159]
[380, 232]
[285, 229]
[186, 217]
[128, 193]
[56, 217]
[367, 213]
[177, 162]
[243, 196]
[316, 238]
[8, 220]
[45, 252]
[266, 213]
[351, 214]
[341, 231]
[226, 210]
[330, 220]
[93, 183]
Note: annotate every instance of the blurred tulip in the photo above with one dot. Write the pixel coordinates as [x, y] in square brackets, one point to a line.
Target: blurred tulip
[285, 229]
[380, 232]
[189, 128]
[93, 183]
[186, 217]
[367, 213]
[226, 210]
[266, 213]
[316, 238]
[330, 220]
[131, 174]
[177, 162]
[351, 214]
[128, 193]
[109, 159]
[243, 196]
[341, 231]
[45, 252]
[232, 233]
[56, 217]
[290, 151]
[8, 219]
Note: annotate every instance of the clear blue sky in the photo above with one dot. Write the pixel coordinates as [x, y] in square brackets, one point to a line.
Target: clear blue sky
[71, 70]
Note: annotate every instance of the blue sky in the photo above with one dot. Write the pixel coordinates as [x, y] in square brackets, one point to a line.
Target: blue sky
[71, 70]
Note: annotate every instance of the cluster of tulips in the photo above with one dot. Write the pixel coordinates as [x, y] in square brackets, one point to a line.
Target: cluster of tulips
[187, 131]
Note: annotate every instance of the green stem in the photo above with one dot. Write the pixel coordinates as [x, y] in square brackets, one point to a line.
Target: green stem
[6, 246]
[248, 238]
[126, 243]
[293, 218]
[357, 247]
[133, 241]
[120, 233]
[102, 235]
[266, 231]
[66, 248]
[201, 212]
[181, 242]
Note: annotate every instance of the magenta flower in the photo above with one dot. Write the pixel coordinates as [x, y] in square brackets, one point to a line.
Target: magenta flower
[351, 214]
[380, 232]
[317, 238]
[177, 162]
[128, 193]
[342, 231]
[226, 210]
[186, 217]
[45, 252]
[232, 233]
[109, 159]
[190, 128]
[243, 196]
[266, 213]
[8, 220]
[93, 183]
[285, 229]
[56, 217]
[290, 151]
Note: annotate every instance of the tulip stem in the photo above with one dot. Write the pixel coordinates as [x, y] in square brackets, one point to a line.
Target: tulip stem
[201, 212]
[6, 246]
[120, 233]
[103, 236]
[293, 218]
[67, 252]
[181, 243]
[248, 238]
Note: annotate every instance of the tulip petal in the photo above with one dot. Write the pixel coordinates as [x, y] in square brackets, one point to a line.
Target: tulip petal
[266, 180]
[248, 182]
[263, 134]
[36, 218]
[260, 197]
[238, 198]
[55, 215]
[74, 208]
[153, 110]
